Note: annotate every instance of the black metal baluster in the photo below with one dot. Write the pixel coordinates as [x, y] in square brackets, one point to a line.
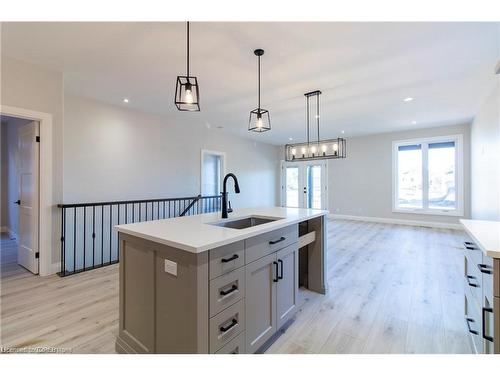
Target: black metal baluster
[102, 235]
[110, 229]
[84, 235]
[93, 236]
[140, 212]
[117, 245]
[74, 240]
[63, 242]
[126, 213]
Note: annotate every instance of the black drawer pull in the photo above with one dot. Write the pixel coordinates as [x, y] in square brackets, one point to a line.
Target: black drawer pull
[469, 246]
[470, 320]
[485, 336]
[484, 268]
[275, 279]
[226, 260]
[276, 241]
[229, 291]
[225, 329]
[280, 276]
[471, 284]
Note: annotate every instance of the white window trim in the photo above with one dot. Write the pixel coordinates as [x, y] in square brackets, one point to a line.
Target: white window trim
[459, 174]
[223, 166]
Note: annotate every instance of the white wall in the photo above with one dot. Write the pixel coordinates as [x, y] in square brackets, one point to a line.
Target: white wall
[361, 184]
[115, 153]
[35, 88]
[10, 175]
[485, 159]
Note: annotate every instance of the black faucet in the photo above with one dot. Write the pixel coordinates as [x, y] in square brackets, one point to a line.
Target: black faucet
[224, 194]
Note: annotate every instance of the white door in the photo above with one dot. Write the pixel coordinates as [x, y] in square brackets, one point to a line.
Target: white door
[304, 184]
[28, 156]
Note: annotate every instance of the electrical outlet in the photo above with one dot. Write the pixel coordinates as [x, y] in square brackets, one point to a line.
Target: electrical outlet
[170, 267]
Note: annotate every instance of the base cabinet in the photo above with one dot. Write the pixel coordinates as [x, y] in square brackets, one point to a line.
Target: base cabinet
[287, 285]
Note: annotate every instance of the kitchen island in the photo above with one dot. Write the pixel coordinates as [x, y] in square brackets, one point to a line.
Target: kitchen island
[202, 284]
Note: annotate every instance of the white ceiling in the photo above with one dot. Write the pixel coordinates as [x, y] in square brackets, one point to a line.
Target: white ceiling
[364, 70]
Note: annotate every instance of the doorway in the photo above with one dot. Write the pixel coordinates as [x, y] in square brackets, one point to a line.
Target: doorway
[212, 172]
[304, 184]
[20, 156]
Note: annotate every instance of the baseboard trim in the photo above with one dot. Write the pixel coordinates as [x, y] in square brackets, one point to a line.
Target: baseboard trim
[417, 223]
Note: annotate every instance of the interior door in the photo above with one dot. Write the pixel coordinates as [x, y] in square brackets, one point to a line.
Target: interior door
[288, 284]
[28, 166]
[304, 184]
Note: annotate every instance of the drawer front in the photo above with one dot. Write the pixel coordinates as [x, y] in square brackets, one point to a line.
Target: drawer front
[473, 252]
[496, 324]
[473, 280]
[226, 290]
[226, 325]
[473, 321]
[227, 258]
[235, 346]
[486, 269]
[267, 243]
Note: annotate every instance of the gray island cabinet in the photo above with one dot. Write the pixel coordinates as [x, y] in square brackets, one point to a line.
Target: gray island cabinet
[216, 289]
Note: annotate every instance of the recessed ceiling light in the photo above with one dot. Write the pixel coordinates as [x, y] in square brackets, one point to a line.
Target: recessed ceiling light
[290, 139]
[343, 131]
[414, 122]
[125, 100]
[408, 99]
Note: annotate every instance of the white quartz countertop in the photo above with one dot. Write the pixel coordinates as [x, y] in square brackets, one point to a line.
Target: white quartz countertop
[195, 234]
[486, 234]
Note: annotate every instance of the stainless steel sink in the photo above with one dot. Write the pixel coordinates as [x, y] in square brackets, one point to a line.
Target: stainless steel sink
[246, 222]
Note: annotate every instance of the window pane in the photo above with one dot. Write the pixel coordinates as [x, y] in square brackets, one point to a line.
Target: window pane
[292, 187]
[409, 176]
[442, 175]
[314, 186]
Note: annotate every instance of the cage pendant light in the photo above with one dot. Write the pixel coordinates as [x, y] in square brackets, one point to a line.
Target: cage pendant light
[187, 94]
[258, 120]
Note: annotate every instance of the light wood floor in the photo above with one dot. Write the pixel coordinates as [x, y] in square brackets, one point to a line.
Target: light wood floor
[393, 289]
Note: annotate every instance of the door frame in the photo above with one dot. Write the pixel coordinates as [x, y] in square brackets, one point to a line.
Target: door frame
[212, 152]
[308, 162]
[46, 203]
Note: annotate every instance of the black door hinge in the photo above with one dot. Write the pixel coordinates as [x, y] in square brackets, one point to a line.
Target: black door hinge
[37, 138]
[37, 255]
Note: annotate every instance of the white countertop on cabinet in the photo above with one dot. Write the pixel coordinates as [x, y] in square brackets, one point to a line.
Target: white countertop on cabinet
[486, 234]
[195, 233]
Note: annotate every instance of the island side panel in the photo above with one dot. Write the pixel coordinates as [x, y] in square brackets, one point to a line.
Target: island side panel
[317, 276]
[137, 284]
[182, 309]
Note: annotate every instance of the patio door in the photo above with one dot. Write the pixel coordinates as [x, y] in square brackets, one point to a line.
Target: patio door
[304, 184]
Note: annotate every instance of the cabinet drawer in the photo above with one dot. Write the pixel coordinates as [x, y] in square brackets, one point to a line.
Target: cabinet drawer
[267, 243]
[226, 290]
[473, 280]
[226, 325]
[473, 252]
[226, 258]
[473, 321]
[486, 268]
[235, 346]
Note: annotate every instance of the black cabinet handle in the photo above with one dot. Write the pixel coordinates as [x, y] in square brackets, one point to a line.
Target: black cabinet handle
[226, 260]
[470, 320]
[276, 241]
[225, 329]
[18, 202]
[471, 284]
[485, 336]
[280, 276]
[468, 243]
[484, 268]
[275, 280]
[229, 291]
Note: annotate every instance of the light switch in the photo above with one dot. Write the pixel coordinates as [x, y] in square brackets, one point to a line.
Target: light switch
[170, 267]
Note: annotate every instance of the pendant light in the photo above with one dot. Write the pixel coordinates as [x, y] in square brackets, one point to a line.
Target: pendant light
[315, 149]
[259, 118]
[187, 95]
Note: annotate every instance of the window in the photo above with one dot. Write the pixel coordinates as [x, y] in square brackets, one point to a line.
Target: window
[427, 176]
[212, 172]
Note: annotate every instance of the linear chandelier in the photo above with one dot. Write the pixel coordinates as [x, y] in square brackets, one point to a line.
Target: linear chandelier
[187, 94]
[317, 149]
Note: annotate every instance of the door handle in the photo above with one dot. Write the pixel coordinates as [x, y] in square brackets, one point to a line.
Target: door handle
[280, 276]
[275, 279]
[18, 202]
[485, 336]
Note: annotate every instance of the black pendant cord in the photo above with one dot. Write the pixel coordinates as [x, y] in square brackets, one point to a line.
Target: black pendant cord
[307, 116]
[317, 115]
[188, 48]
[258, 85]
